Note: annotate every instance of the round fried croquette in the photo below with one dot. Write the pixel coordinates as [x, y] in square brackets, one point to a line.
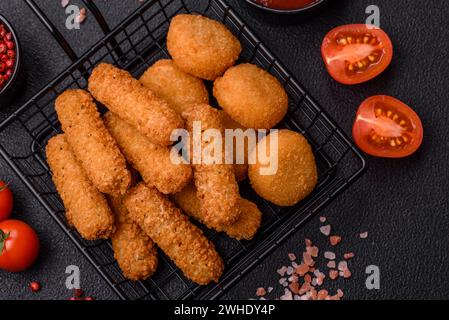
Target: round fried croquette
[296, 175]
[201, 46]
[251, 96]
[178, 88]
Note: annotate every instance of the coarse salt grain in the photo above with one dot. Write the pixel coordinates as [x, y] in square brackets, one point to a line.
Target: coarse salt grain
[347, 274]
[334, 240]
[287, 295]
[294, 265]
[289, 271]
[282, 281]
[282, 271]
[260, 292]
[302, 269]
[342, 265]
[308, 243]
[307, 258]
[64, 3]
[270, 289]
[364, 235]
[333, 274]
[348, 255]
[326, 230]
[322, 219]
[331, 264]
[292, 256]
[329, 255]
[340, 293]
[81, 16]
[313, 251]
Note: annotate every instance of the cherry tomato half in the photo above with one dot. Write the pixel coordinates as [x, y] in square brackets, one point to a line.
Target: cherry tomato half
[20, 245]
[386, 127]
[356, 53]
[6, 201]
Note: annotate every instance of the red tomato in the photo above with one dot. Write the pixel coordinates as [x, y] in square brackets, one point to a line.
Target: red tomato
[386, 127]
[356, 53]
[19, 244]
[6, 201]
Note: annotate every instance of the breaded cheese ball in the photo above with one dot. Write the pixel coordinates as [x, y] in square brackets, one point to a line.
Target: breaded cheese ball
[251, 96]
[296, 175]
[178, 88]
[201, 46]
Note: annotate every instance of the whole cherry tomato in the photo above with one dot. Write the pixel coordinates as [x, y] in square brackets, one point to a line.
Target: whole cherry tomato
[6, 201]
[19, 245]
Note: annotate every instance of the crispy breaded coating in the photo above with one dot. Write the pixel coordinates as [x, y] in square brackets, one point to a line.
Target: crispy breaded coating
[152, 161]
[86, 208]
[172, 231]
[296, 174]
[240, 169]
[134, 103]
[134, 251]
[178, 88]
[201, 46]
[91, 142]
[216, 184]
[243, 229]
[251, 96]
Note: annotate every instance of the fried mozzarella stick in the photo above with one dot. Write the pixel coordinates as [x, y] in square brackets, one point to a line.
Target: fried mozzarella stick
[216, 185]
[243, 229]
[152, 161]
[172, 231]
[134, 251]
[91, 142]
[131, 101]
[86, 208]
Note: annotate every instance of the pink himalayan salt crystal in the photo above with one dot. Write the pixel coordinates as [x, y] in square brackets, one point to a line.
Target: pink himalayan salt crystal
[322, 219]
[282, 271]
[64, 3]
[292, 256]
[307, 258]
[287, 295]
[333, 274]
[326, 230]
[331, 264]
[340, 293]
[364, 235]
[329, 255]
[342, 265]
[308, 243]
[260, 292]
[348, 255]
[81, 16]
[313, 251]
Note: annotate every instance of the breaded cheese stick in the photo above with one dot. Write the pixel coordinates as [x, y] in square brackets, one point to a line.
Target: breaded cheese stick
[243, 229]
[150, 160]
[91, 142]
[134, 103]
[172, 231]
[134, 251]
[86, 208]
[216, 185]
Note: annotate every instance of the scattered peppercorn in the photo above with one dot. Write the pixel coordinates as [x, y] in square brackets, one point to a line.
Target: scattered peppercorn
[7, 55]
[35, 286]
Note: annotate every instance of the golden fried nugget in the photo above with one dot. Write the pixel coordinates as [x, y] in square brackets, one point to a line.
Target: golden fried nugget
[91, 142]
[86, 208]
[134, 251]
[251, 96]
[296, 175]
[152, 161]
[243, 229]
[201, 46]
[134, 103]
[240, 169]
[178, 88]
[216, 184]
[172, 231]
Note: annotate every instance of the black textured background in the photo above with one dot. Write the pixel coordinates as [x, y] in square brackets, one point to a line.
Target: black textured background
[402, 203]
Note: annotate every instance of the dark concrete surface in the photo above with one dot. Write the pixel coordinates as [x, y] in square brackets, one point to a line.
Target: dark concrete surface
[402, 203]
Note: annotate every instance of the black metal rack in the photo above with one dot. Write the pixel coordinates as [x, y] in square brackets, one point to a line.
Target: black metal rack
[135, 44]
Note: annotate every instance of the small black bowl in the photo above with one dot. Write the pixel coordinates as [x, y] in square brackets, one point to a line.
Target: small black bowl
[13, 84]
[288, 15]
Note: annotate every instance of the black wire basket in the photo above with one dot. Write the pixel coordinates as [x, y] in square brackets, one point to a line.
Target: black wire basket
[135, 44]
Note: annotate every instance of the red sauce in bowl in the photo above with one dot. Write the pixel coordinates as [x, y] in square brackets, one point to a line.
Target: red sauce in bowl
[285, 4]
